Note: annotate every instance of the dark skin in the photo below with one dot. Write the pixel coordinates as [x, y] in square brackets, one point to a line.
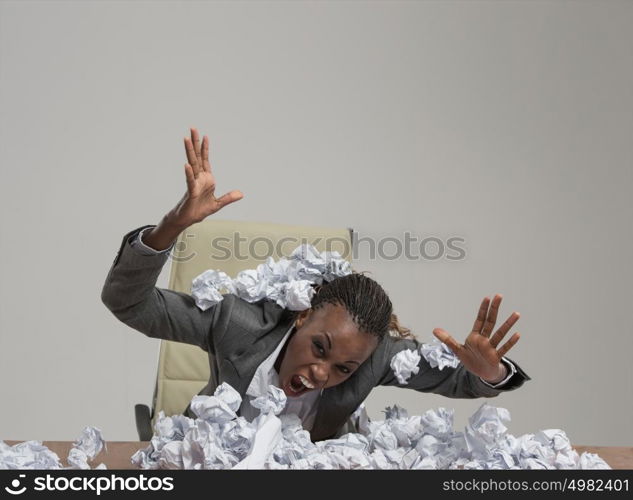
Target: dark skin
[326, 348]
[481, 353]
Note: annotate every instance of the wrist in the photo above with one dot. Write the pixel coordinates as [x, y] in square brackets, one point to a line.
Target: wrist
[173, 222]
[164, 234]
[503, 373]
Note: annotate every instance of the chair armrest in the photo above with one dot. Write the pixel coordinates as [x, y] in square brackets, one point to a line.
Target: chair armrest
[143, 422]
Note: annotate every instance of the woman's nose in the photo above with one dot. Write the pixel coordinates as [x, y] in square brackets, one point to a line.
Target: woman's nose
[320, 374]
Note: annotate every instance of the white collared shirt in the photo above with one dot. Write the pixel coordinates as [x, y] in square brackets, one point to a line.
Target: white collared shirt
[304, 406]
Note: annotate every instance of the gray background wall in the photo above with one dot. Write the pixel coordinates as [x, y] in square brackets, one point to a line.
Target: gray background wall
[505, 123]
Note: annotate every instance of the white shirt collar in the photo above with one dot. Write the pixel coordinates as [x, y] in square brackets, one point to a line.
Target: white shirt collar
[266, 374]
[304, 406]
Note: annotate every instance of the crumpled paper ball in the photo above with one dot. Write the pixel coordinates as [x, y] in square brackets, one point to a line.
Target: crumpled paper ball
[406, 362]
[288, 281]
[34, 455]
[438, 354]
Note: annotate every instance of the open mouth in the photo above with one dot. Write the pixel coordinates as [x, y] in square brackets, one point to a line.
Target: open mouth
[299, 384]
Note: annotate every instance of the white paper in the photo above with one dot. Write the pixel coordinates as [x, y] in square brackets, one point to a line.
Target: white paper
[274, 401]
[266, 438]
[439, 355]
[34, 455]
[218, 439]
[288, 281]
[207, 287]
[400, 441]
[404, 364]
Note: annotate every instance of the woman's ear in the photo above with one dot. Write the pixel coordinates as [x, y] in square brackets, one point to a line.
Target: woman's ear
[302, 317]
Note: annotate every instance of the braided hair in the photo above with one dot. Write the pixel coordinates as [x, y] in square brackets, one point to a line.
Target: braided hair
[366, 302]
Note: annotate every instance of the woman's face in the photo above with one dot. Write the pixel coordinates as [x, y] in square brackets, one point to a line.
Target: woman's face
[326, 349]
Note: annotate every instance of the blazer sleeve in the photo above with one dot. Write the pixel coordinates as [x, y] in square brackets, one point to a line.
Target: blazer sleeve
[129, 292]
[450, 382]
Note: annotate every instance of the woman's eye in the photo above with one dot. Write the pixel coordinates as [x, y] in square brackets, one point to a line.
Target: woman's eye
[344, 369]
[319, 347]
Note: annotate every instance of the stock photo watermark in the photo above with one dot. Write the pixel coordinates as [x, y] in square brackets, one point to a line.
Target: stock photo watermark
[239, 247]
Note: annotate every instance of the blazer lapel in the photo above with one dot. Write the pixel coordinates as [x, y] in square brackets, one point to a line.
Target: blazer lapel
[339, 402]
[244, 362]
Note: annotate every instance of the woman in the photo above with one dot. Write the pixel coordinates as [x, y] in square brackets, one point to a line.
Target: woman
[326, 359]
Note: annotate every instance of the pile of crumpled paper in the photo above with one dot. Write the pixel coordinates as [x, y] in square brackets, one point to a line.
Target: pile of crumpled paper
[219, 439]
[288, 282]
[34, 455]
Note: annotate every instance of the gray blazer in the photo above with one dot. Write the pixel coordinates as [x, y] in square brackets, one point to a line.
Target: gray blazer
[238, 336]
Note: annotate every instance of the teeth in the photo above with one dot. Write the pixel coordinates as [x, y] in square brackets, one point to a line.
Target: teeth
[306, 382]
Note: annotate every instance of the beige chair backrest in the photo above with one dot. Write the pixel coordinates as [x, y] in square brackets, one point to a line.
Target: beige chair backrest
[229, 246]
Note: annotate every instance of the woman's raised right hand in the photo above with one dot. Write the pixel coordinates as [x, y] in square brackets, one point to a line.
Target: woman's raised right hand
[199, 201]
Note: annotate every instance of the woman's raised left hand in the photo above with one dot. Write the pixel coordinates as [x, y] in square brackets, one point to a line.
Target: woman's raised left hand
[479, 353]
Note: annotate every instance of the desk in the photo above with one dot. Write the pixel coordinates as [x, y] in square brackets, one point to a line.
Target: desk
[117, 457]
[119, 453]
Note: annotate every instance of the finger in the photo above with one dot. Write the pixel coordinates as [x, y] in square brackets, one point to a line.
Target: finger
[492, 315]
[229, 198]
[191, 156]
[443, 336]
[509, 344]
[205, 154]
[195, 138]
[503, 329]
[481, 315]
[191, 180]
